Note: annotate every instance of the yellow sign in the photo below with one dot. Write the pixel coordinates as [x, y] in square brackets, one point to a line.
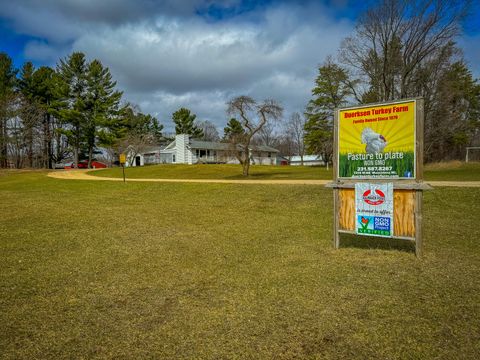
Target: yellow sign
[123, 158]
[377, 141]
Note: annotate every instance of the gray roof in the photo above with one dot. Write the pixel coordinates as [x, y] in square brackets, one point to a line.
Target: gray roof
[198, 144]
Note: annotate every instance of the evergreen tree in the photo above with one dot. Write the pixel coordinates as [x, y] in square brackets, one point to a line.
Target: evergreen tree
[101, 104]
[185, 123]
[72, 92]
[156, 129]
[234, 129]
[132, 133]
[457, 114]
[7, 91]
[34, 133]
[27, 110]
[331, 91]
[44, 83]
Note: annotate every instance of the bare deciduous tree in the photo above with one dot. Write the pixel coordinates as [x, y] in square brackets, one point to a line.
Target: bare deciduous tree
[253, 116]
[406, 48]
[396, 38]
[210, 132]
[132, 145]
[285, 144]
[266, 135]
[296, 129]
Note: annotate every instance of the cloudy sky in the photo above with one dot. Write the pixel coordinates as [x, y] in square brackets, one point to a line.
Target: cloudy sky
[194, 53]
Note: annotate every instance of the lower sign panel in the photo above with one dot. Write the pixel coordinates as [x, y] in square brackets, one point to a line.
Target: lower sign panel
[374, 209]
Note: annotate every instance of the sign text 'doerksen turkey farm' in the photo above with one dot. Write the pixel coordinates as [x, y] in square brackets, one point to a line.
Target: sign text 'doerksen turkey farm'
[377, 141]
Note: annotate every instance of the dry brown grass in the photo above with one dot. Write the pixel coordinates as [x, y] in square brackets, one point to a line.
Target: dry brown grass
[445, 165]
[213, 271]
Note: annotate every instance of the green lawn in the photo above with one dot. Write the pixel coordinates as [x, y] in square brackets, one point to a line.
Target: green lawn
[449, 171]
[453, 171]
[211, 171]
[212, 271]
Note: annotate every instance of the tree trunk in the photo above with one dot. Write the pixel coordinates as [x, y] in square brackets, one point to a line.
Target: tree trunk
[3, 144]
[246, 162]
[47, 142]
[90, 155]
[246, 167]
[77, 146]
[30, 147]
[75, 156]
[58, 146]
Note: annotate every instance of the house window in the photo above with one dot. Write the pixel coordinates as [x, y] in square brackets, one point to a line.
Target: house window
[173, 157]
[269, 155]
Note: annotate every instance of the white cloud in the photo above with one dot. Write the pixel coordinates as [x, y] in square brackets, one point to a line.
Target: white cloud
[175, 62]
[164, 56]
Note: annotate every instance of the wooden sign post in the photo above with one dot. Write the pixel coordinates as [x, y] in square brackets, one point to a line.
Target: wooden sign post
[377, 147]
[123, 160]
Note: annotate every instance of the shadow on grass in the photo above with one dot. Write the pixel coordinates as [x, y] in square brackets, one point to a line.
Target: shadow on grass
[370, 242]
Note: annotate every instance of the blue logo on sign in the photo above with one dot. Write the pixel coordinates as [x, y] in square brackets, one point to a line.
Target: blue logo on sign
[381, 223]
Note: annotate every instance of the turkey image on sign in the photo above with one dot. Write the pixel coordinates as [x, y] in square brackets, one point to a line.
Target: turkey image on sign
[377, 141]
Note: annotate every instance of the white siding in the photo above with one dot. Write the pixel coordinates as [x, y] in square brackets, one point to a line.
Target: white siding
[183, 152]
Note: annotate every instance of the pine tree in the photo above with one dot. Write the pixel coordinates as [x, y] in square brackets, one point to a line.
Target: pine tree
[156, 129]
[101, 104]
[44, 83]
[72, 90]
[331, 91]
[185, 123]
[234, 129]
[7, 88]
[456, 114]
[133, 132]
[28, 104]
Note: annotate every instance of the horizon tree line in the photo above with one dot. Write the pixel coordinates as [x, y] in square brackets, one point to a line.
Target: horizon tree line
[400, 49]
[48, 116]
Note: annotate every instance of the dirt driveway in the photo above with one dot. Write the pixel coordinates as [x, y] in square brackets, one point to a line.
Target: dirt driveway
[82, 175]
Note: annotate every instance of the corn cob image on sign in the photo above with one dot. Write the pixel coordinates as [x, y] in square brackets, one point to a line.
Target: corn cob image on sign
[377, 141]
[374, 209]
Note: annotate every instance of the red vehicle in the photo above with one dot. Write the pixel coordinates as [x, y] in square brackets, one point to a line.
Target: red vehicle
[84, 165]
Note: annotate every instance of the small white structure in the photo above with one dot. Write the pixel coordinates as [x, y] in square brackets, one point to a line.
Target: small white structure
[184, 150]
[308, 160]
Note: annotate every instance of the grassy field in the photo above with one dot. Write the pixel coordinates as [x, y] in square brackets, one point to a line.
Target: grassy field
[448, 171]
[453, 171]
[179, 271]
[211, 171]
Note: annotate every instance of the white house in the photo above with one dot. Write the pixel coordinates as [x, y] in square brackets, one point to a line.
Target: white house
[308, 160]
[184, 150]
